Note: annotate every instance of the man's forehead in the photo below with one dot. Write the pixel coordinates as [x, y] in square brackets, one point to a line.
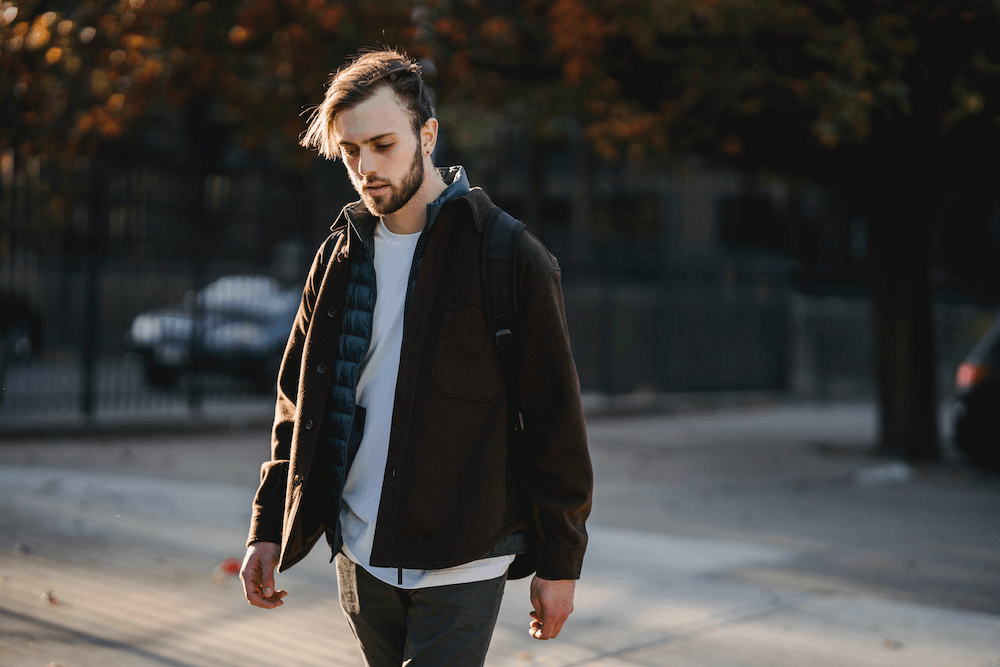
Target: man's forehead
[375, 117]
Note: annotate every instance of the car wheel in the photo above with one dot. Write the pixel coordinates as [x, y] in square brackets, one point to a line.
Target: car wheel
[161, 377]
[17, 341]
[976, 439]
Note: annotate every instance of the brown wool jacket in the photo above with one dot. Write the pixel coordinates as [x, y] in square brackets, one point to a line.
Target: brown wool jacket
[453, 487]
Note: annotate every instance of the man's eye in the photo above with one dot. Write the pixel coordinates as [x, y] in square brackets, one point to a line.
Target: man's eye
[350, 152]
[383, 147]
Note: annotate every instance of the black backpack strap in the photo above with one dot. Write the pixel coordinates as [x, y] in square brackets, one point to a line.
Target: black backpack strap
[501, 234]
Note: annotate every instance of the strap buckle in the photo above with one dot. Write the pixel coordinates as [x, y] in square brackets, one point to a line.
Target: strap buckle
[505, 338]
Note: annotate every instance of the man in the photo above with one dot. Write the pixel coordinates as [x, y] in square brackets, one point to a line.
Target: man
[392, 432]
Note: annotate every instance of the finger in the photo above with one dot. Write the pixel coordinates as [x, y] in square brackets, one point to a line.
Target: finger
[552, 626]
[536, 603]
[539, 630]
[268, 602]
[250, 588]
[535, 627]
[250, 572]
[255, 598]
[277, 596]
[267, 581]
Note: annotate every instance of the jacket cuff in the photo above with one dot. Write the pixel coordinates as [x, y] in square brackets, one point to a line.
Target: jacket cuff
[556, 564]
[261, 533]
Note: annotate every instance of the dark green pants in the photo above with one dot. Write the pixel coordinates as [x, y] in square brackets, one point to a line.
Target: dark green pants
[440, 626]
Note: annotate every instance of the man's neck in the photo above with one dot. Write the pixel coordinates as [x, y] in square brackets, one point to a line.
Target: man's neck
[413, 216]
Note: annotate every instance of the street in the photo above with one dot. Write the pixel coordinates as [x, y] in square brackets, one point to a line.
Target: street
[755, 534]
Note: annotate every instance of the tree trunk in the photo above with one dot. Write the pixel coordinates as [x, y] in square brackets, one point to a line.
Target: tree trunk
[899, 284]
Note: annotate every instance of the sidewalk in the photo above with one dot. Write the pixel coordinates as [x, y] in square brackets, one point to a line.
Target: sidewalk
[172, 415]
[125, 535]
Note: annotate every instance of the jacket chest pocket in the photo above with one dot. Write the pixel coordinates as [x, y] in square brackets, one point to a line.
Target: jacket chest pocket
[466, 364]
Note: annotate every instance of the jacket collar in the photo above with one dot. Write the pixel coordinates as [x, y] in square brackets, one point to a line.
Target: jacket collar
[364, 222]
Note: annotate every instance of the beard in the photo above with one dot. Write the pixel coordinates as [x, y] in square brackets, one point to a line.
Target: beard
[398, 196]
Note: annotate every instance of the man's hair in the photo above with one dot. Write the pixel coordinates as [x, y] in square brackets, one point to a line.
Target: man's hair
[357, 81]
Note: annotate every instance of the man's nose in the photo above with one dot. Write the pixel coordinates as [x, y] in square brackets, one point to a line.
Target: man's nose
[366, 162]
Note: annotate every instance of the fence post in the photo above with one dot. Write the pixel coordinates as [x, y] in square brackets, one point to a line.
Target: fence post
[96, 212]
[198, 218]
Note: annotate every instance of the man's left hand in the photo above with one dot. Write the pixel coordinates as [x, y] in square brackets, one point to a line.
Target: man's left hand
[553, 603]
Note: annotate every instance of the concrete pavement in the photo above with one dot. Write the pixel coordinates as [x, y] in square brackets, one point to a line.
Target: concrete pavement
[752, 535]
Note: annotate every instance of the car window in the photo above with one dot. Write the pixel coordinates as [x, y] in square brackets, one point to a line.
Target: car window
[249, 295]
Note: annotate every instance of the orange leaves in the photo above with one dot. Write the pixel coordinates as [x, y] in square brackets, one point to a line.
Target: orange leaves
[109, 26]
[639, 133]
[37, 37]
[973, 102]
[329, 18]
[257, 14]
[498, 31]
[149, 70]
[731, 145]
[460, 69]
[238, 35]
[297, 34]
[455, 31]
[99, 82]
[134, 41]
[101, 120]
[577, 36]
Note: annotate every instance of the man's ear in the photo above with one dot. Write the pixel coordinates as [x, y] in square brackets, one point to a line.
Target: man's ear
[428, 136]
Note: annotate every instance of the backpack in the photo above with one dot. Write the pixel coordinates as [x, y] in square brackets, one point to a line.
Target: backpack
[501, 234]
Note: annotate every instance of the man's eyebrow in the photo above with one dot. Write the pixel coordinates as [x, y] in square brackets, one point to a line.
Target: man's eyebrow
[372, 139]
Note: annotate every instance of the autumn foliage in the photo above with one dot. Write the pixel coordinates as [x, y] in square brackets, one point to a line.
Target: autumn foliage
[81, 77]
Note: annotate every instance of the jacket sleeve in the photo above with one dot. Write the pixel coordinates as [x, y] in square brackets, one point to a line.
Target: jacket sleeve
[553, 466]
[269, 502]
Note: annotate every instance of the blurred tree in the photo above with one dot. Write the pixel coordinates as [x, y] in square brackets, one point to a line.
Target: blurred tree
[899, 99]
[87, 78]
[894, 98]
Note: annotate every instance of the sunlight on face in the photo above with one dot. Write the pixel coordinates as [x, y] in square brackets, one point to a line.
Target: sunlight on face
[381, 152]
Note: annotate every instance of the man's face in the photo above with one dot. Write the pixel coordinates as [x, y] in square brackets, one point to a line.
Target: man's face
[382, 153]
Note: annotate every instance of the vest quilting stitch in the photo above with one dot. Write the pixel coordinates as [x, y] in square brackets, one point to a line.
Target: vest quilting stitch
[352, 346]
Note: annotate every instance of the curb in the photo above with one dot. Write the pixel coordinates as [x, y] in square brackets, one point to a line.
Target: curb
[243, 417]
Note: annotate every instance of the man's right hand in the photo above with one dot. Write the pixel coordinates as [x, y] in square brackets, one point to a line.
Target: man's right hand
[257, 575]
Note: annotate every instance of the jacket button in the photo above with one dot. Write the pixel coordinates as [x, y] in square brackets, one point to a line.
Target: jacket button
[296, 480]
[308, 424]
[332, 312]
[321, 369]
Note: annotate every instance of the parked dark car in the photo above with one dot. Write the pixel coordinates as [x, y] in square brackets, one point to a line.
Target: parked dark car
[20, 328]
[242, 324]
[976, 413]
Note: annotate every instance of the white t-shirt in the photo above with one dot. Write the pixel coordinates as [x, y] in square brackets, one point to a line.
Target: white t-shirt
[376, 393]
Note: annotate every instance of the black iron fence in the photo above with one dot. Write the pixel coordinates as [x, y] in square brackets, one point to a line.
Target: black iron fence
[141, 291]
[115, 275]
